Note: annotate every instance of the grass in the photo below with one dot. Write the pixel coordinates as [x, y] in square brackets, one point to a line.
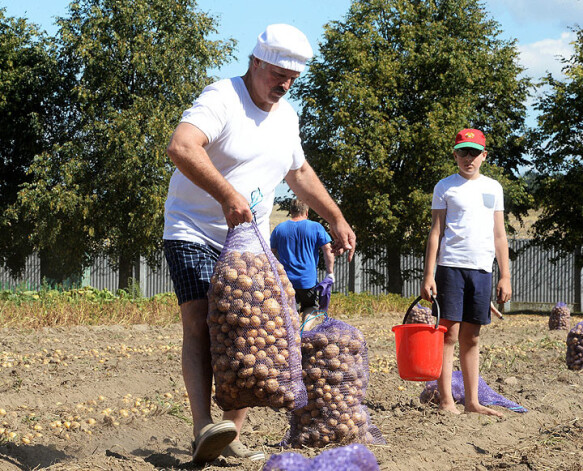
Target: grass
[366, 304]
[84, 306]
[89, 306]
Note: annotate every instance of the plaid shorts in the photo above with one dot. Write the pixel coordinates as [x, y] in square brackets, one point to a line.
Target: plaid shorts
[191, 267]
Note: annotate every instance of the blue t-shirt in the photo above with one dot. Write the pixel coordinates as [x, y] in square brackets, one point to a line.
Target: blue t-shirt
[298, 244]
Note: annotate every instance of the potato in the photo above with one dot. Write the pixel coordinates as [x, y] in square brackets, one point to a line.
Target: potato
[231, 274]
[271, 385]
[258, 296]
[244, 282]
[271, 307]
[331, 351]
[261, 371]
[249, 360]
[223, 306]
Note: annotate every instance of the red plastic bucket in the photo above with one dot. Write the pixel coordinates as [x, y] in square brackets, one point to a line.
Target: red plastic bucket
[419, 348]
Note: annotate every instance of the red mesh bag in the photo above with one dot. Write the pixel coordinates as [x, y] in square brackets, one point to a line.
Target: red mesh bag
[254, 327]
[335, 372]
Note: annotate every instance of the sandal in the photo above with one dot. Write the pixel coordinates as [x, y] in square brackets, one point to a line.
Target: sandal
[211, 441]
[238, 450]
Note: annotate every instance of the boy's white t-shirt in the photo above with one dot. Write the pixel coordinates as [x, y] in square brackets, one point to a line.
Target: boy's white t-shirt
[250, 147]
[468, 238]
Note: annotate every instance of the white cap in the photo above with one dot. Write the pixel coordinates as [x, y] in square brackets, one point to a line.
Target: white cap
[284, 46]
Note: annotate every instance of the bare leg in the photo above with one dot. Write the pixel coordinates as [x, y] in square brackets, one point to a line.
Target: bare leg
[305, 314]
[469, 338]
[196, 367]
[196, 361]
[237, 416]
[446, 402]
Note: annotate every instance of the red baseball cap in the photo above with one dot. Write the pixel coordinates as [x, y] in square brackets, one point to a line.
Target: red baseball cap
[470, 138]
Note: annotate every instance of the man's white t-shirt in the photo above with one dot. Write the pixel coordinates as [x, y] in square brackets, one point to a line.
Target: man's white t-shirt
[468, 238]
[250, 147]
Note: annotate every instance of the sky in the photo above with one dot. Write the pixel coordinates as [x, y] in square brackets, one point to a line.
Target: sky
[542, 28]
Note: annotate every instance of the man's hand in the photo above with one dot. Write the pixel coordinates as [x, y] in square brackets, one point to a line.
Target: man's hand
[344, 239]
[236, 210]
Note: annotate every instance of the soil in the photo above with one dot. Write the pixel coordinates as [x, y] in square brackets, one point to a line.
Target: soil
[112, 398]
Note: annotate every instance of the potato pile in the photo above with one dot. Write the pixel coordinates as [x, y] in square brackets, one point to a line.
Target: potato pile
[560, 318]
[335, 371]
[254, 331]
[420, 315]
[575, 347]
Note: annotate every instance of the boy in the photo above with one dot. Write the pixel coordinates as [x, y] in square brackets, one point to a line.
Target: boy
[467, 231]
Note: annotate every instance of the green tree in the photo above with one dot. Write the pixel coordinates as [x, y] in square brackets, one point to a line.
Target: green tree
[557, 147]
[392, 84]
[31, 79]
[139, 64]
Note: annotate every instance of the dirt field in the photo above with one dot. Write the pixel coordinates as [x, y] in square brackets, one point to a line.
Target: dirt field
[112, 398]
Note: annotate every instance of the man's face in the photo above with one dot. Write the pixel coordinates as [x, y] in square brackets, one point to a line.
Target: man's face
[273, 82]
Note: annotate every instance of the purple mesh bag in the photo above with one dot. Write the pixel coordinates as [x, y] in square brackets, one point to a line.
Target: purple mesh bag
[335, 372]
[254, 327]
[486, 395]
[560, 317]
[574, 356]
[354, 457]
[418, 314]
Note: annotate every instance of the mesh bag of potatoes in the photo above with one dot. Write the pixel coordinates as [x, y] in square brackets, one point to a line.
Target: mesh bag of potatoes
[419, 314]
[560, 318]
[254, 327]
[575, 347]
[335, 371]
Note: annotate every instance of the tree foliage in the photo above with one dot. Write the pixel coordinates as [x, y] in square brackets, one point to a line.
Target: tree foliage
[382, 102]
[557, 147]
[138, 65]
[30, 122]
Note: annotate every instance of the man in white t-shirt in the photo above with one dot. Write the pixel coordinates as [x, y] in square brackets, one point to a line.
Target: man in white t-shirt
[467, 232]
[239, 135]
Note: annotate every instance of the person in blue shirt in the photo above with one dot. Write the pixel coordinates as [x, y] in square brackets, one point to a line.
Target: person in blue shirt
[297, 244]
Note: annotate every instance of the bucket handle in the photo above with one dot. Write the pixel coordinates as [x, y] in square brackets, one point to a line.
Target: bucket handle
[419, 298]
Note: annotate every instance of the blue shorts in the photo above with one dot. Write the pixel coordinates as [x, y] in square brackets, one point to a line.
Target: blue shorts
[191, 267]
[464, 294]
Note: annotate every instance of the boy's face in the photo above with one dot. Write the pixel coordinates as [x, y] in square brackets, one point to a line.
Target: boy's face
[469, 161]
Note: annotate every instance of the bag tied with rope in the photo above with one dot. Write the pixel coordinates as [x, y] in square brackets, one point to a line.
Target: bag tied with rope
[254, 327]
[335, 372]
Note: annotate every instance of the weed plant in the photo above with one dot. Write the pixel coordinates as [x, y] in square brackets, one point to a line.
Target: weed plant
[366, 304]
[84, 306]
[89, 306]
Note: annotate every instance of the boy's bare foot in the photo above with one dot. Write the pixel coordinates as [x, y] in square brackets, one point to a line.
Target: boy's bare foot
[480, 409]
[450, 407]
